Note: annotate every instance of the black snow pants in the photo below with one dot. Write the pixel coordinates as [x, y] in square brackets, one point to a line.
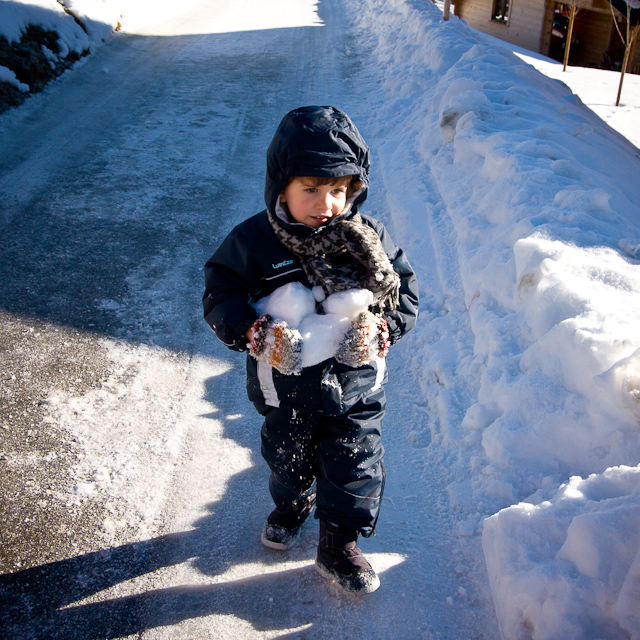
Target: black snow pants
[342, 454]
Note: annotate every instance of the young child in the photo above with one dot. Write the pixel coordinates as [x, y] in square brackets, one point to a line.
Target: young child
[322, 423]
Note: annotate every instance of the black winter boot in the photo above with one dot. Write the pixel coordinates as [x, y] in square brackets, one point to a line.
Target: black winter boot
[281, 529]
[340, 561]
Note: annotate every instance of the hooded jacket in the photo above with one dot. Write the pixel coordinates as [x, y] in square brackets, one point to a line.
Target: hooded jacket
[251, 263]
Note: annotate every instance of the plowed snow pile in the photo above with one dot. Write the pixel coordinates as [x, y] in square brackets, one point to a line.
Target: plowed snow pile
[545, 202]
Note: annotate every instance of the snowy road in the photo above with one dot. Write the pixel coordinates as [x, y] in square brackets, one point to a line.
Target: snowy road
[136, 491]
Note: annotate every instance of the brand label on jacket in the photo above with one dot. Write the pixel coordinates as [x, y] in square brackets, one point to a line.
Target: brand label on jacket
[284, 263]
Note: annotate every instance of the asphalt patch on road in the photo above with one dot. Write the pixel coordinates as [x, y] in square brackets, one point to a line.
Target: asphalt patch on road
[40, 523]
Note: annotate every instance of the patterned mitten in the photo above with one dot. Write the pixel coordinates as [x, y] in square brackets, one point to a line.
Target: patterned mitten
[366, 339]
[277, 344]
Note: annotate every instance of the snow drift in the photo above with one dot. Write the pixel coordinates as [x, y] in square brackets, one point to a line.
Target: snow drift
[40, 39]
[545, 204]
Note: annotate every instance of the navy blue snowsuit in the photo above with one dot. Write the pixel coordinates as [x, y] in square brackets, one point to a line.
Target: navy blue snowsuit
[323, 425]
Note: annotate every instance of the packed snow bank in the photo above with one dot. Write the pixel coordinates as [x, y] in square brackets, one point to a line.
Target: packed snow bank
[8, 76]
[597, 88]
[78, 23]
[545, 204]
[555, 565]
[17, 15]
[97, 17]
[40, 39]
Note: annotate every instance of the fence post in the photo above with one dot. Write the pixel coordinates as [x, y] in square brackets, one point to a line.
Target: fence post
[567, 43]
[625, 62]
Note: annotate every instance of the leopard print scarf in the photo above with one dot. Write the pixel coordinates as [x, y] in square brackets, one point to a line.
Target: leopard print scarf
[346, 254]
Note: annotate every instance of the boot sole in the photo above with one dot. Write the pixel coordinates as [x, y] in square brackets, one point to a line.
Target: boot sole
[335, 579]
[276, 545]
[279, 546]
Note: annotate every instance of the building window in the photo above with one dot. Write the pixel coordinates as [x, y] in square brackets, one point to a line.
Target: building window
[501, 11]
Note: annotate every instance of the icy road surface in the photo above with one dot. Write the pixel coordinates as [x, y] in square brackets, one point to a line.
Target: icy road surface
[135, 492]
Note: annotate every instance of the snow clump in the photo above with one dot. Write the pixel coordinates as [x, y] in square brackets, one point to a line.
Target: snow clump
[321, 332]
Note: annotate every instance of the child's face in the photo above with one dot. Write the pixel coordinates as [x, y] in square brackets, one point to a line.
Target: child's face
[314, 205]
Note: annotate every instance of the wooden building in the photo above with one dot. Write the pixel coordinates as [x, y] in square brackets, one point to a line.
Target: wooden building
[541, 26]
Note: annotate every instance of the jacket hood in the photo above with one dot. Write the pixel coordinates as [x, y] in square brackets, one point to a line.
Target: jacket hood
[316, 141]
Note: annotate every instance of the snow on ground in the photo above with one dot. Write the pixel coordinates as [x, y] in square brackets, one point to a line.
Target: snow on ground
[596, 88]
[98, 20]
[220, 17]
[532, 372]
[545, 203]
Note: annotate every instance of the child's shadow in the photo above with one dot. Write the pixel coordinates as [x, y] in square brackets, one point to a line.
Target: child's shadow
[39, 602]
